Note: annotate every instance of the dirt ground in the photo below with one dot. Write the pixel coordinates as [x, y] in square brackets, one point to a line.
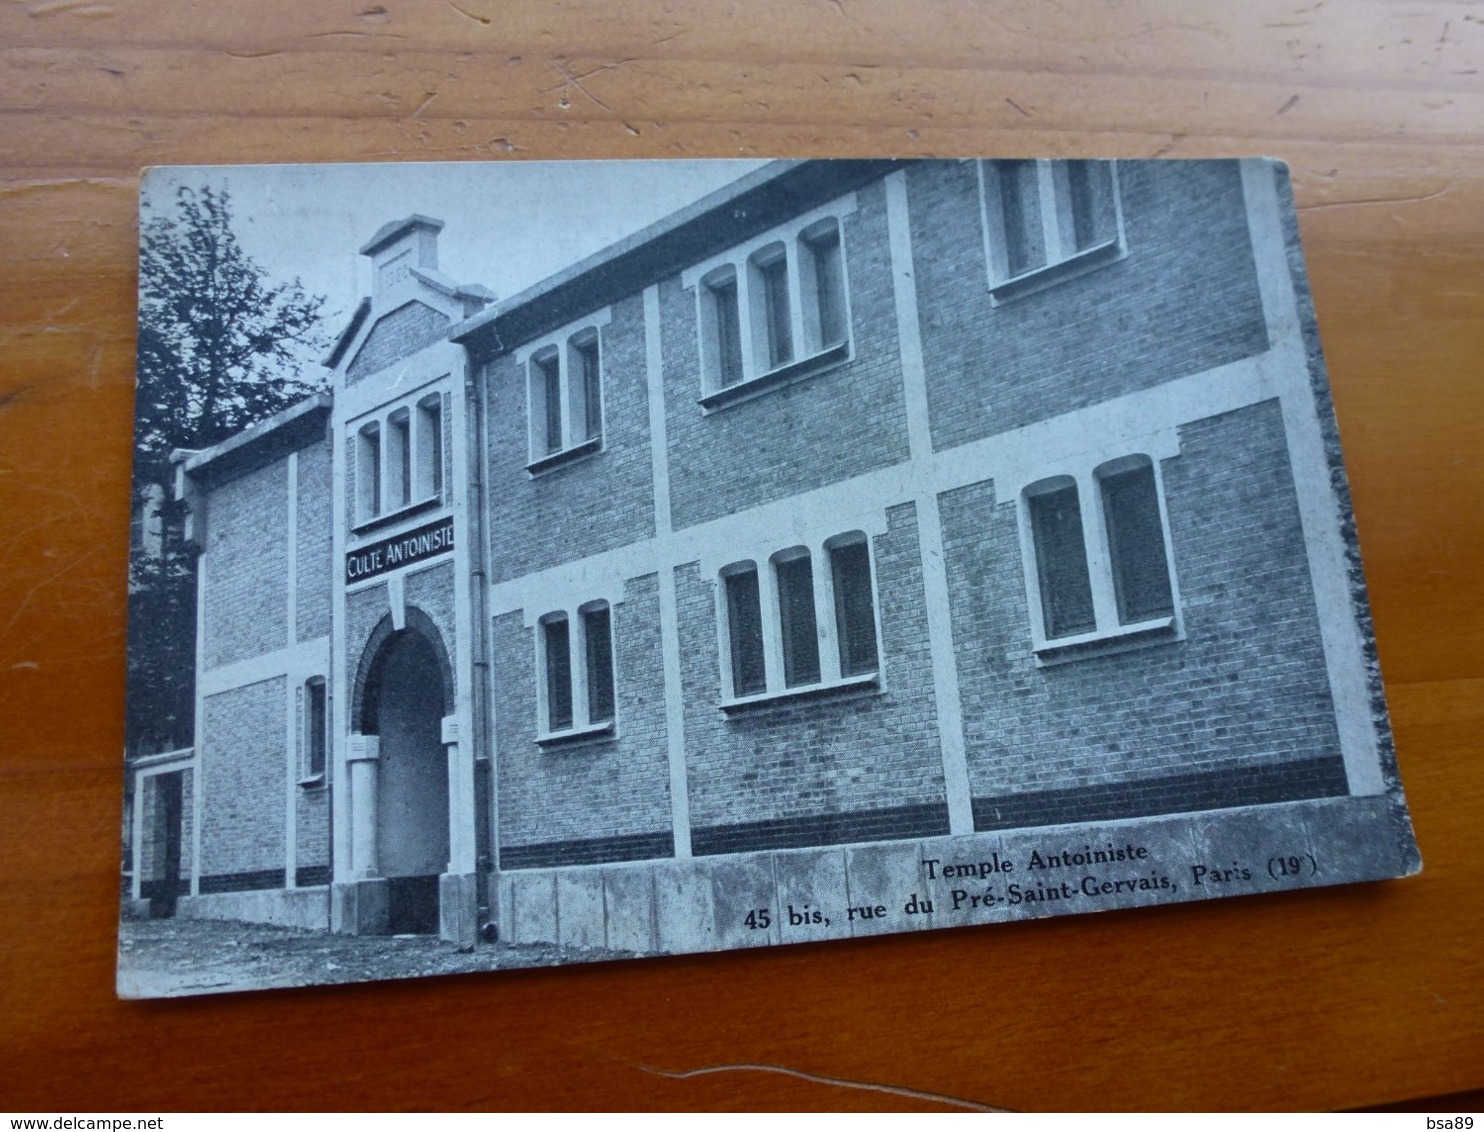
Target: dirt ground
[171, 958]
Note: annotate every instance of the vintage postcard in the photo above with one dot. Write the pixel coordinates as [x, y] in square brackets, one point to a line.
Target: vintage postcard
[544, 562]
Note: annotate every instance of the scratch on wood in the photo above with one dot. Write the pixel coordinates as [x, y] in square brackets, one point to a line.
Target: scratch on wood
[9, 397]
[821, 1079]
[1287, 106]
[1019, 107]
[75, 7]
[425, 103]
[568, 78]
[485, 20]
[1418, 199]
[354, 35]
[63, 182]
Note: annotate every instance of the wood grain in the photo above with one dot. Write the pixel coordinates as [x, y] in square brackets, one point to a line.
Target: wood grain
[1325, 999]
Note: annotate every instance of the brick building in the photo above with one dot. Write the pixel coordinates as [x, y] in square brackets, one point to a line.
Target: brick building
[857, 505]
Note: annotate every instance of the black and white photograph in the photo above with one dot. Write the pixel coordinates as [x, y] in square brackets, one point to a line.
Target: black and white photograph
[551, 562]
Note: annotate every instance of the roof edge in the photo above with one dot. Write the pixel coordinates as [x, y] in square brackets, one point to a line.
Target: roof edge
[668, 223]
[286, 430]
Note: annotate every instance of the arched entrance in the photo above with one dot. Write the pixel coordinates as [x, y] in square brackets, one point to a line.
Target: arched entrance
[402, 698]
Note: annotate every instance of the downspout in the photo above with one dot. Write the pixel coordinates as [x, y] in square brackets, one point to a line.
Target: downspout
[485, 802]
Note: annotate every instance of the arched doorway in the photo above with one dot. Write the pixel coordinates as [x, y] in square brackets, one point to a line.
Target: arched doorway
[403, 700]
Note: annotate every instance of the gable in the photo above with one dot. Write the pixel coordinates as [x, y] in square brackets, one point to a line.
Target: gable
[395, 335]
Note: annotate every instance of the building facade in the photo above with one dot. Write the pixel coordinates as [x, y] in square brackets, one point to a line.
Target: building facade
[858, 505]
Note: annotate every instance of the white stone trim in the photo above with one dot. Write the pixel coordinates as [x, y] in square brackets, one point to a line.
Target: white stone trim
[1062, 261]
[669, 606]
[408, 401]
[396, 593]
[308, 657]
[1319, 508]
[582, 723]
[294, 696]
[573, 405]
[788, 232]
[1108, 627]
[946, 694]
[597, 320]
[197, 790]
[821, 572]
[751, 318]
[151, 766]
[1131, 422]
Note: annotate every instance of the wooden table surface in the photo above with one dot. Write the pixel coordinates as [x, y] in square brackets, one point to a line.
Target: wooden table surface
[1332, 998]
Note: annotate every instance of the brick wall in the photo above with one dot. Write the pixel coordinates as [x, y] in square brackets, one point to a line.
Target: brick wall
[397, 334]
[312, 849]
[1246, 690]
[363, 609]
[246, 566]
[849, 420]
[604, 500]
[314, 565]
[595, 801]
[432, 591]
[242, 806]
[862, 767]
[1183, 300]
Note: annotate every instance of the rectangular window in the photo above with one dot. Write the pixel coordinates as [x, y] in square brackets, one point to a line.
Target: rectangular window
[745, 629]
[775, 309]
[728, 331]
[781, 638]
[855, 612]
[1040, 215]
[558, 652]
[1136, 544]
[592, 389]
[1020, 201]
[430, 446]
[368, 471]
[796, 620]
[564, 375]
[399, 435]
[1090, 200]
[549, 383]
[1061, 562]
[1102, 568]
[774, 278]
[316, 728]
[829, 285]
[597, 632]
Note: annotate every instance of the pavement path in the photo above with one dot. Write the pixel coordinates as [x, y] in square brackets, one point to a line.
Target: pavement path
[173, 958]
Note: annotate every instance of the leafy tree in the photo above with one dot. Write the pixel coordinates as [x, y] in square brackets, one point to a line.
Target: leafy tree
[221, 346]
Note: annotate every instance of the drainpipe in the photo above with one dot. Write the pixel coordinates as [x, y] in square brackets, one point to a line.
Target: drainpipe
[485, 803]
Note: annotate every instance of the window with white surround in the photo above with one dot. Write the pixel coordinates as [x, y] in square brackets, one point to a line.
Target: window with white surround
[397, 460]
[775, 308]
[576, 693]
[802, 621]
[315, 737]
[1048, 220]
[430, 443]
[564, 375]
[1099, 569]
